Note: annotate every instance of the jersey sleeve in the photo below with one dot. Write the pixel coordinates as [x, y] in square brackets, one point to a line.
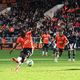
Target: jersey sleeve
[18, 40]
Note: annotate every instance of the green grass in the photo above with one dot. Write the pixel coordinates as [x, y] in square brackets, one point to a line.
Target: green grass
[44, 68]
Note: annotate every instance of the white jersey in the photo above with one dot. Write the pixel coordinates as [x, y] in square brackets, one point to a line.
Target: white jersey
[53, 44]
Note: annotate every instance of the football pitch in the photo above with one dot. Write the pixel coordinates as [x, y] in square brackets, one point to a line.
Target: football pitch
[44, 67]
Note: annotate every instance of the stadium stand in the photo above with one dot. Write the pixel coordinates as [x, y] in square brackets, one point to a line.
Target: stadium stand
[23, 17]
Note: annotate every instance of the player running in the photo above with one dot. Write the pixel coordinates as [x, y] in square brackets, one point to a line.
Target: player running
[45, 40]
[61, 42]
[72, 46]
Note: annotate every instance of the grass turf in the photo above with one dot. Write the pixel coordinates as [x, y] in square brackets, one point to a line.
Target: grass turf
[44, 67]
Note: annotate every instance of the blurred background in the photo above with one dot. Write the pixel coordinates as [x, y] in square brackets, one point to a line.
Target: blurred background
[38, 15]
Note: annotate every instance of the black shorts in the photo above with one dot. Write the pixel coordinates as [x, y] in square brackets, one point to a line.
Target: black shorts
[59, 50]
[26, 52]
[45, 45]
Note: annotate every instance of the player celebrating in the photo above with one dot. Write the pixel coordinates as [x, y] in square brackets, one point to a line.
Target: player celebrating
[61, 42]
[71, 46]
[45, 40]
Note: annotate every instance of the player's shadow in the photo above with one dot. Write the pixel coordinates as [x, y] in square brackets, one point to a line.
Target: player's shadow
[73, 69]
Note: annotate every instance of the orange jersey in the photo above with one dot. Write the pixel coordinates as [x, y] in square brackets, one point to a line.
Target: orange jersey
[45, 38]
[27, 44]
[61, 41]
[20, 40]
[29, 41]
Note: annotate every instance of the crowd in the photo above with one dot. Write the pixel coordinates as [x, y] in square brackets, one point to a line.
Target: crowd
[12, 23]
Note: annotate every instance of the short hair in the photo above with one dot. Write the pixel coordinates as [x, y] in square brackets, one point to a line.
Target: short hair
[60, 30]
[22, 34]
